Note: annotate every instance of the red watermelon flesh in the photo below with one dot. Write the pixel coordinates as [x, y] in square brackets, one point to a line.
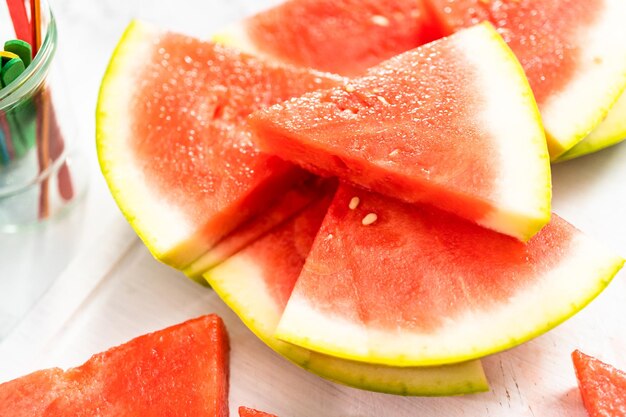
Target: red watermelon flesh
[178, 371]
[560, 44]
[340, 36]
[31, 395]
[603, 387]
[431, 125]
[250, 412]
[418, 286]
[288, 205]
[201, 155]
[257, 283]
[175, 148]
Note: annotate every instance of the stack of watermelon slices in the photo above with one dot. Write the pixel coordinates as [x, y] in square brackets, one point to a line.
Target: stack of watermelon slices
[391, 281]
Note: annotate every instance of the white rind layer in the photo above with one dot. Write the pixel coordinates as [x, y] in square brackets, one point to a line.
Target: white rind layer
[599, 81]
[523, 185]
[236, 36]
[584, 272]
[611, 131]
[239, 282]
[159, 224]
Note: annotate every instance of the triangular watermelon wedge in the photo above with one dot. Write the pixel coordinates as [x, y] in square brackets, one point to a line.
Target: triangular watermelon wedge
[572, 51]
[452, 123]
[250, 412]
[183, 367]
[602, 387]
[285, 207]
[407, 285]
[256, 284]
[611, 131]
[341, 36]
[172, 140]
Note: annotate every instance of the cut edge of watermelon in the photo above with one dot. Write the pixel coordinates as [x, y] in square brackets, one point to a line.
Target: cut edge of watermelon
[603, 56]
[149, 215]
[610, 132]
[251, 412]
[288, 205]
[602, 386]
[562, 292]
[524, 188]
[236, 36]
[238, 283]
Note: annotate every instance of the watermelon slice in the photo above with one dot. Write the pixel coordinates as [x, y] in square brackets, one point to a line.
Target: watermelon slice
[611, 131]
[181, 370]
[257, 282]
[32, 394]
[249, 412]
[602, 387]
[340, 36]
[172, 140]
[288, 205]
[572, 51]
[405, 285]
[452, 123]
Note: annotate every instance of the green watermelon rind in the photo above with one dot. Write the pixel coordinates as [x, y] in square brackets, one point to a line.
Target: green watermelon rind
[235, 278]
[401, 350]
[112, 130]
[610, 132]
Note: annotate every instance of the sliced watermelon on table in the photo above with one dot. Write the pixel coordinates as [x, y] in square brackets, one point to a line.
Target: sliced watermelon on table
[611, 131]
[602, 386]
[31, 395]
[172, 140]
[572, 51]
[408, 285]
[340, 36]
[257, 282]
[178, 371]
[250, 412]
[452, 123]
[285, 207]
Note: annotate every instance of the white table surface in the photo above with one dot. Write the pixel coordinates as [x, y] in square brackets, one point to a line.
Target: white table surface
[85, 283]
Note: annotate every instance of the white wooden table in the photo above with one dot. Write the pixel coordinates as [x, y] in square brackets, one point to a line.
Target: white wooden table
[106, 288]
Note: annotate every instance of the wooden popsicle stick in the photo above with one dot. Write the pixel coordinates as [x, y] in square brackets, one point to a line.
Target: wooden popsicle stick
[5, 156]
[35, 13]
[43, 131]
[57, 146]
[19, 16]
[43, 122]
[20, 48]
[5, 132]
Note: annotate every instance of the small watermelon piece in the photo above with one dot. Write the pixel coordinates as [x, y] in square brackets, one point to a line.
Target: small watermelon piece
[572, 51]
[611, 131]
[287, 206]
[31, 395]
[602, 386]
[178, 371]
[250, 412]
[340, 36]
[452, 123]
[172, 140]
[256, 284]
[409, 285]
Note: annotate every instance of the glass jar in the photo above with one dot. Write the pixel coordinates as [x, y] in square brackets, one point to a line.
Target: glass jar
[41, 173]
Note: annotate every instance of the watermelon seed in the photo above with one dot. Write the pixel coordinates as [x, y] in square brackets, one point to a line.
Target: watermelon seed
[394, 152]
[349, 89]
[354, 203]
[383, 100]
[380, 20]
[369, 219]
